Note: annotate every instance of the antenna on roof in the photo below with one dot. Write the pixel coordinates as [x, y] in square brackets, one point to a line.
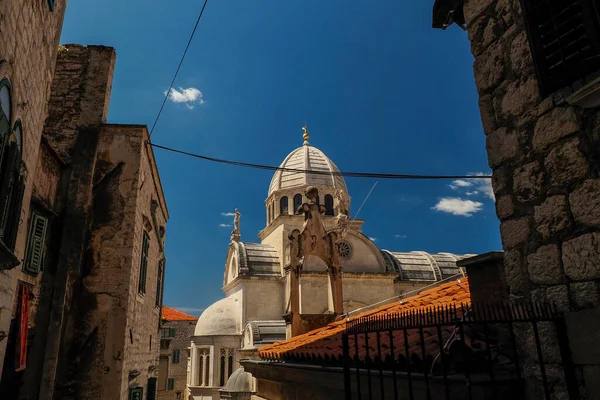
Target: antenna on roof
[364, 201]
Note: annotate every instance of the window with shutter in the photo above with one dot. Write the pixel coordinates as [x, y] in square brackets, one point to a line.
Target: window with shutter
[176, 356]
[171, 384]
[144, 264]
[564, 39]
[171, 332]
[36, 243]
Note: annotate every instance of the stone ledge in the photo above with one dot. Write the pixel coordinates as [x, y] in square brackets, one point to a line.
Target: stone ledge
[586, 97]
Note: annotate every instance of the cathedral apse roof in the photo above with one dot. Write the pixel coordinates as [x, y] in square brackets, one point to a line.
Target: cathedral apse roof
[259, 259]
[422, 266]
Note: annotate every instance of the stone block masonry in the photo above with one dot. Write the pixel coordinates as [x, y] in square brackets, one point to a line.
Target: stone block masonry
[543, 152]
[29, 36]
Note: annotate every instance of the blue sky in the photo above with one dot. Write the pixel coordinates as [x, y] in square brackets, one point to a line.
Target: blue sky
[380, 89]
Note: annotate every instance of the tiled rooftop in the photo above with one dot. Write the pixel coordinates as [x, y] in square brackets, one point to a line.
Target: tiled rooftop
[327, 341]
[171, 314]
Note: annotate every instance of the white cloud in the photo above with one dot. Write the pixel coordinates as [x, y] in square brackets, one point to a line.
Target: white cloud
[460, 183]
[373, 239]
[228, 214]
[400, 236]
[484, 185]
[190, 97]
[473, 193]
[458, 206]
[225, 225]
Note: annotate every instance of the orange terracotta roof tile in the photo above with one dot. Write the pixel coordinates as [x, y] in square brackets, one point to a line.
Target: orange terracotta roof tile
[171, 314]
[327, 341]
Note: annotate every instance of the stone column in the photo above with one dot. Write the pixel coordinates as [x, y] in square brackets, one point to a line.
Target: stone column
[194, 366]
[336, 301]
[212, 363]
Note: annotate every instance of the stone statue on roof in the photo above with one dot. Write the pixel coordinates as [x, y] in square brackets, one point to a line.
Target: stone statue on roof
[235, 234]
[343, 202]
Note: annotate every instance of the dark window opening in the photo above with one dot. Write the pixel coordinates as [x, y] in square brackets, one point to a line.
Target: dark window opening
[151, 393]
[229, 365]
[328, 204]
[297, 203]
[222, 375]
[171, 384]
[564, 39]
[176, 356]
[144, 264]
[283, 205]
[159, 282]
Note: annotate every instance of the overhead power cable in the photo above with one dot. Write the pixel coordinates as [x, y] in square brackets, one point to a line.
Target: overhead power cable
[178, 68]
[313, 172]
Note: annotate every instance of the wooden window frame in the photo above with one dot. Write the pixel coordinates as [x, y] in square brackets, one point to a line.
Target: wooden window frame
[176, 359]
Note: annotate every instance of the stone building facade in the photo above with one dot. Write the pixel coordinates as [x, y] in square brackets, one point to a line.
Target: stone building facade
[176, 331]
[29, 35]
[95, 247]
[538, 85]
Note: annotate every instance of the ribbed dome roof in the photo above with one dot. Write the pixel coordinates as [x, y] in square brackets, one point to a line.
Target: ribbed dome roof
[307, 158]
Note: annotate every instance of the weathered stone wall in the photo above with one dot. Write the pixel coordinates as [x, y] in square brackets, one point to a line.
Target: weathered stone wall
[143, 313]
[543, 153]
[29, 34]
[80, 93]
[184, 330]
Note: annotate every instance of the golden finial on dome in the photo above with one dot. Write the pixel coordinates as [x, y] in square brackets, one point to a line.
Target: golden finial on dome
[305, 136]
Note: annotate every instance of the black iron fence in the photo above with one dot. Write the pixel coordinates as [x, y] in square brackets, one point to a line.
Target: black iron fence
[475, 351]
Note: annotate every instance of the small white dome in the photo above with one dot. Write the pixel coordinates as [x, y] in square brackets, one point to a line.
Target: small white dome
[222, 318]
[240, 382]
[307, 158]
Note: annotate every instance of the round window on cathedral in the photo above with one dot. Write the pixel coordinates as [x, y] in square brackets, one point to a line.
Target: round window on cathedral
[345, 249]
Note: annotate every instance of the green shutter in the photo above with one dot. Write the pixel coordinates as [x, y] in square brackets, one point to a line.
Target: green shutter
[36, 243]
[144, 264]
[171, 332]
[171, 384]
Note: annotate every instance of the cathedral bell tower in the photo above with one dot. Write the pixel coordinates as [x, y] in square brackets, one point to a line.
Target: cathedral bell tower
[313, 240]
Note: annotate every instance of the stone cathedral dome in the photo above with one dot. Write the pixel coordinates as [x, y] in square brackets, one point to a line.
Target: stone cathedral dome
[307, 158]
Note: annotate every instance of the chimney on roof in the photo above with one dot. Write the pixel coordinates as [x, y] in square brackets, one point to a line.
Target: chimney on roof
[486, 276]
